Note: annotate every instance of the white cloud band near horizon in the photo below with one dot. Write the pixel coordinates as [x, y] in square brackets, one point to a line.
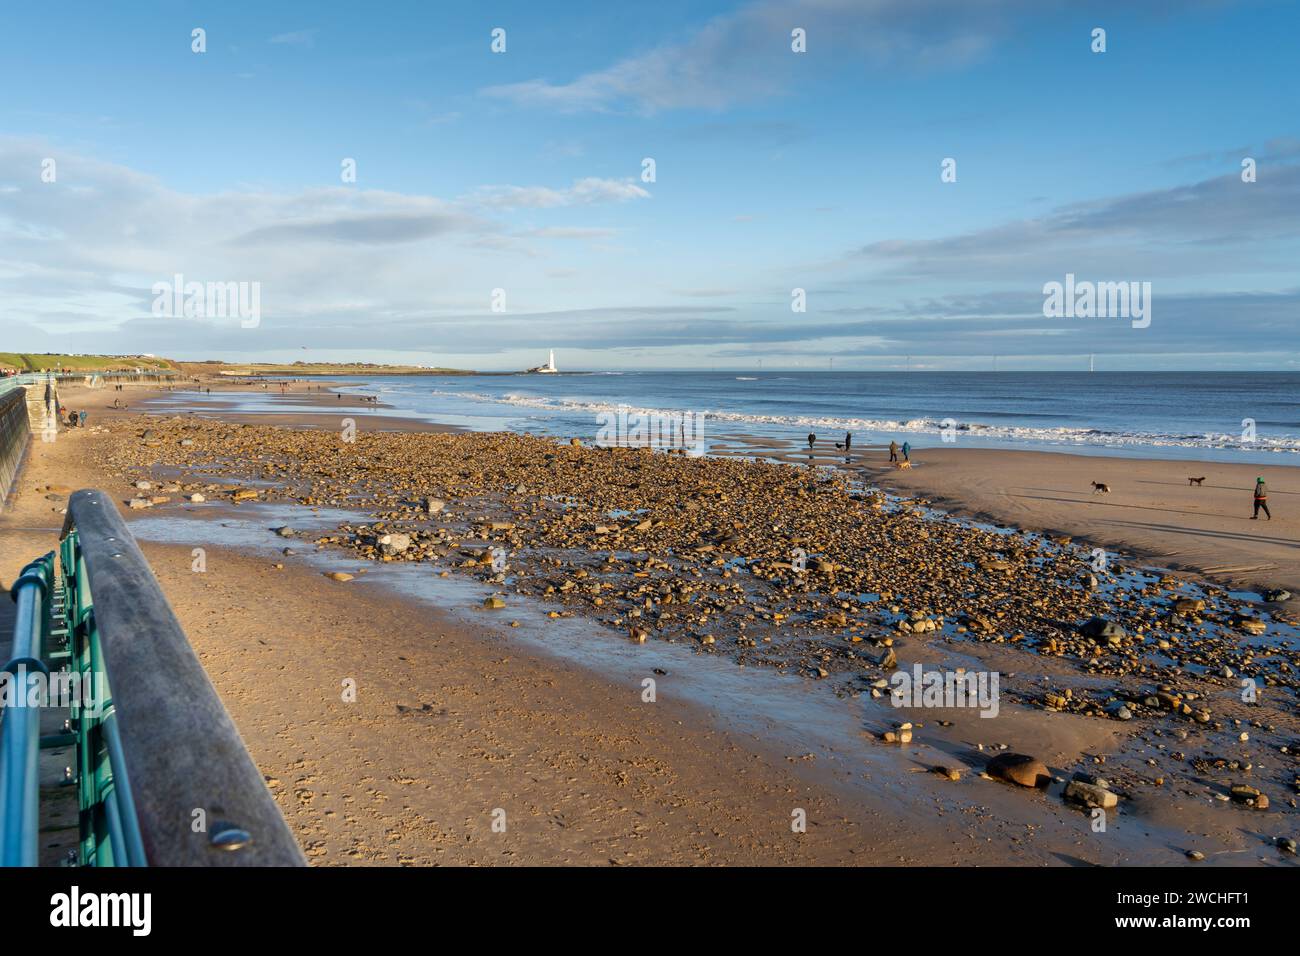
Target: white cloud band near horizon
[368, 271]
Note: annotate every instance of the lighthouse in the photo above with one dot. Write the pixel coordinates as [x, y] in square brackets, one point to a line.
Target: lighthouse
[547, 369]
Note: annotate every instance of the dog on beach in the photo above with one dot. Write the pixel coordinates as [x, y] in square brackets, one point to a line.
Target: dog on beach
[1100, 488]
[1195, 481]
[902, 464]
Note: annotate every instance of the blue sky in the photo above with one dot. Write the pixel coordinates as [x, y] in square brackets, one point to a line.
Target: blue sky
[522, 171]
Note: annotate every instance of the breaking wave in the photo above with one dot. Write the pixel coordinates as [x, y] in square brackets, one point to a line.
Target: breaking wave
[915, 426]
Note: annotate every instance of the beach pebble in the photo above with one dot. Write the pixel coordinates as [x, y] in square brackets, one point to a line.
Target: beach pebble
[1020, 769]
[1089, 795]
[1248, 796]
[391, 544]
[338, 575]
[1100, 627]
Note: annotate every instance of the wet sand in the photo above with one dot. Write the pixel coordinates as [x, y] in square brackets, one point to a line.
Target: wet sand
[465, 719]
[298, 405]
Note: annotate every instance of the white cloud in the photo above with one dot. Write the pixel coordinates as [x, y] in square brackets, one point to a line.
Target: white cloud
[582, 192]
[572, 232]
[93, 243]
[745, 56]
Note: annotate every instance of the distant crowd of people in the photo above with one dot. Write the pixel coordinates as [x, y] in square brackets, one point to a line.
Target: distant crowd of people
[847, 446]
[73, 419]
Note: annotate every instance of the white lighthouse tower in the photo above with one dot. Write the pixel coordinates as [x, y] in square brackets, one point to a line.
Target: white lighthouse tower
[547, 369]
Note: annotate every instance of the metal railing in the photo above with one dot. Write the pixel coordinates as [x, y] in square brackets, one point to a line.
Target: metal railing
[10, 382]
[21, 727]
[163, 778]
[109, 829]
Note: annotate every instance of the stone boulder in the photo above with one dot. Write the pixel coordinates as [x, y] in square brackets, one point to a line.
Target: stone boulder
[1020, 769]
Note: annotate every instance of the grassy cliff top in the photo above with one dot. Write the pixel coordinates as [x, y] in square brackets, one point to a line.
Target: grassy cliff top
[49, 361]
[312, 368]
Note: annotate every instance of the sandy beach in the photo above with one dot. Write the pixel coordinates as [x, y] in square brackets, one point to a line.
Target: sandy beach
[537, 707]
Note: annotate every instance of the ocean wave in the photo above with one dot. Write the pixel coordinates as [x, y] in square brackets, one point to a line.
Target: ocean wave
[913, 426]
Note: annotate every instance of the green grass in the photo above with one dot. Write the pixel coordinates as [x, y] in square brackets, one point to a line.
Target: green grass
[37, 362]
[315, 368]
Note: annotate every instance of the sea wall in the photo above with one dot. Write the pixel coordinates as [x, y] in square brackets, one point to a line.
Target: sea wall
[24, 412]
[98, 379]
[15, 432]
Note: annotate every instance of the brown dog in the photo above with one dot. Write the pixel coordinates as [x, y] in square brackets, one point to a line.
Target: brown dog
[1195, 481]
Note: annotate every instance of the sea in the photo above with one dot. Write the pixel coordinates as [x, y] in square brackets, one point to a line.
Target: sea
[1219, 416]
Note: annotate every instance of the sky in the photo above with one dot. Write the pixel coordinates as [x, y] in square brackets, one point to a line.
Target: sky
[502, 203]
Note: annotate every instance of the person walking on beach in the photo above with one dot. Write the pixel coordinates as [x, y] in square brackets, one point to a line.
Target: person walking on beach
[848, 442]
[81, 418]
[1261, 500]
[907, 451]
[812, 439]
[893, 451]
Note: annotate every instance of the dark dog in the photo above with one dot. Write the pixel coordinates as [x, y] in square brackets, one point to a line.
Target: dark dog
[1100, 488]
[1195, 481]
